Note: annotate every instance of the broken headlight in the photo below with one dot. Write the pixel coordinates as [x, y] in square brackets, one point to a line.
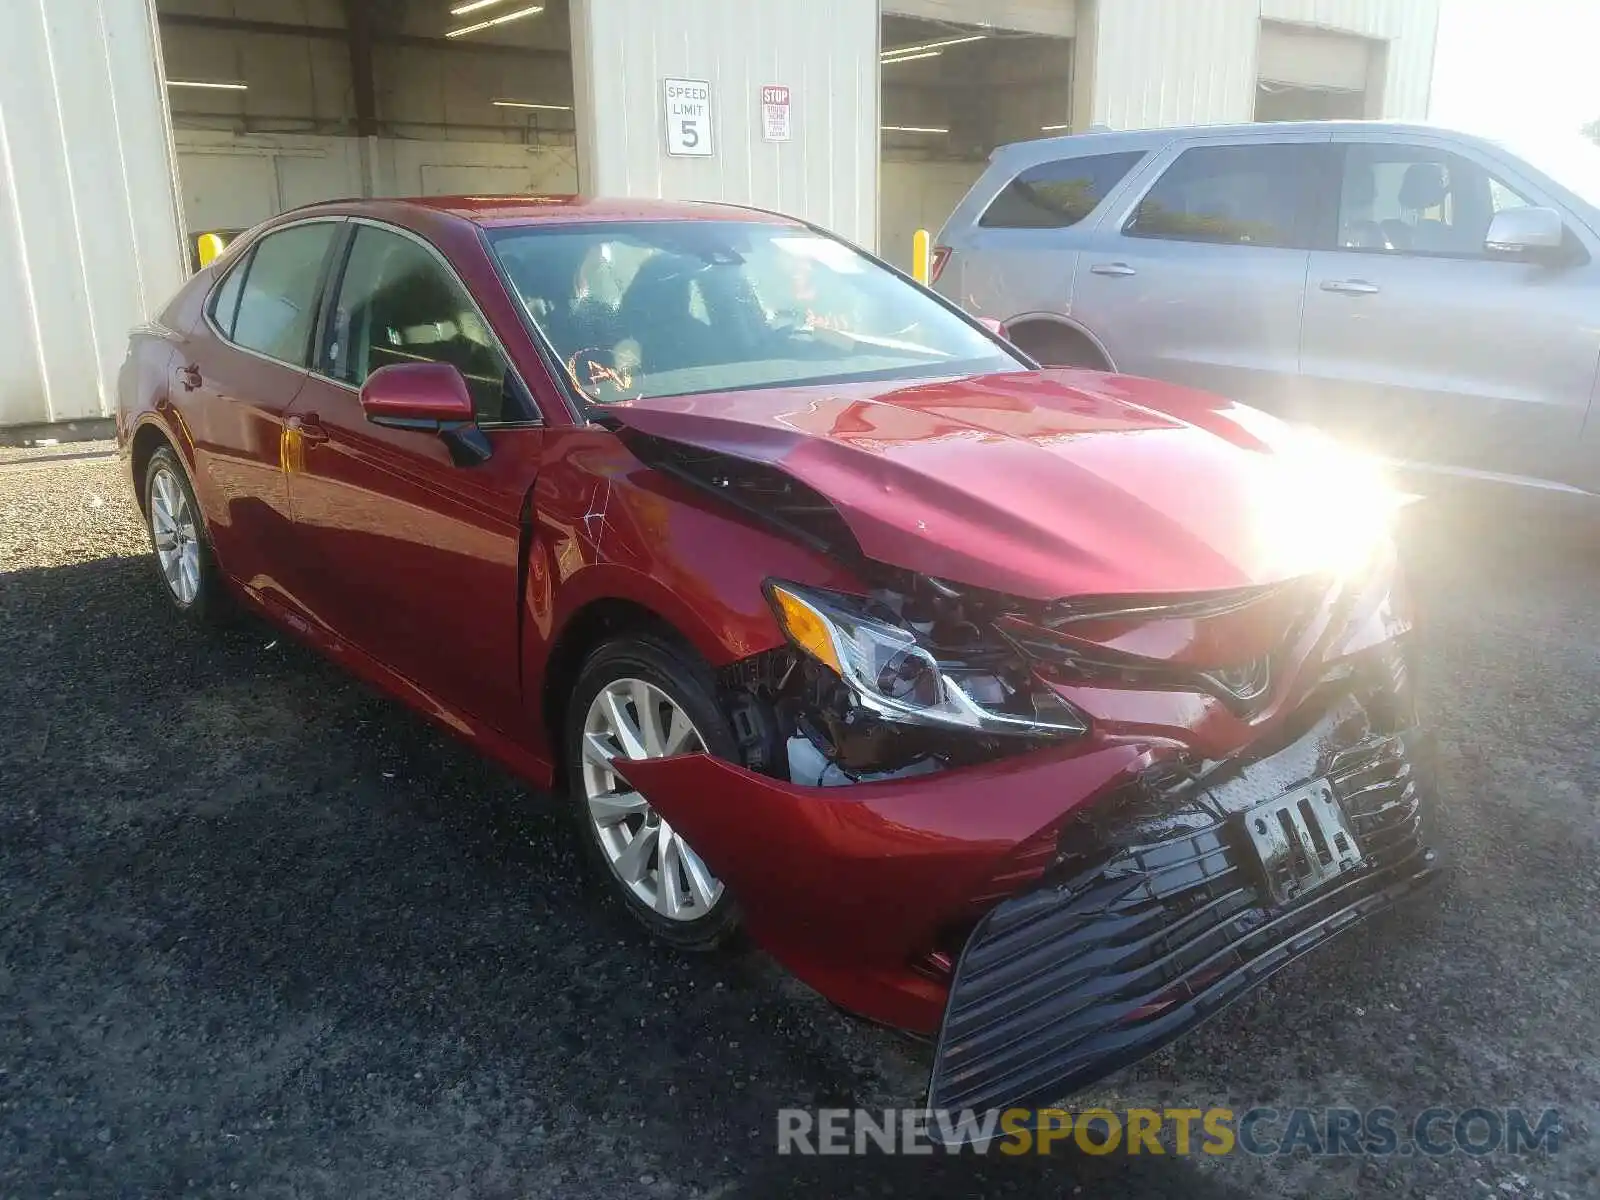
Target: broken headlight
[893, 674]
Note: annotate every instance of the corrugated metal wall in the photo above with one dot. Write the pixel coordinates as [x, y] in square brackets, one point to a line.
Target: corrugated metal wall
[89, 240]
[1156, 62]
[824, 51]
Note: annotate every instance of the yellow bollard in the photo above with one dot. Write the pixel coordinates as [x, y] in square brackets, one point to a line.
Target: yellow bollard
[921, 260]
[210, 245]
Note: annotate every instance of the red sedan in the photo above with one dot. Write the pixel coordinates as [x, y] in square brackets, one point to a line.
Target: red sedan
[1042, 712]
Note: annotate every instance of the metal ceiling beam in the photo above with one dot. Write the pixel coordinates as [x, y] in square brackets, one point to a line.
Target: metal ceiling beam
[340, 33]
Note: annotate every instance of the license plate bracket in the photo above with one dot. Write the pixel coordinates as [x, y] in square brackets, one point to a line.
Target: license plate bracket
[1302, 840]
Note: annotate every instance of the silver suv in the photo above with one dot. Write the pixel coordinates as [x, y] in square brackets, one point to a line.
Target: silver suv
[1429, 296]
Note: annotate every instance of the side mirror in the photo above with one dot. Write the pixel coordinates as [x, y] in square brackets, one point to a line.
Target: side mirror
[993, 326]
[1534, 233]
[430, 398]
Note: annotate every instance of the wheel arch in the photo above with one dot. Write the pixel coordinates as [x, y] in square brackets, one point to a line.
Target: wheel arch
[150, 436]
[644, 609]
[1052, 322]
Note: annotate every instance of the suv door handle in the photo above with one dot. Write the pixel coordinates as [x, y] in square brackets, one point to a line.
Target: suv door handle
[309, 427]
[189, 376]
[1351, 287]
[1112, 268]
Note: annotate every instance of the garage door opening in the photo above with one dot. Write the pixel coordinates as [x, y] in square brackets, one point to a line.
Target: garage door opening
[1313, 75]
[952, 93]
[364, 98]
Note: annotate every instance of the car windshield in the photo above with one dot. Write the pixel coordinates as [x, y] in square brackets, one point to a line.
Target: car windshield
[1572, 161]
[668, 308]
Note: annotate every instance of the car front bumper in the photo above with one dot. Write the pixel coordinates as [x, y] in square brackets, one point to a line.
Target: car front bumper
[1062, 984]
[1098, 899]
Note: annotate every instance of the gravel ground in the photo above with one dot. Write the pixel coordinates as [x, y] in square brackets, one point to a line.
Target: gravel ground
[262, 932]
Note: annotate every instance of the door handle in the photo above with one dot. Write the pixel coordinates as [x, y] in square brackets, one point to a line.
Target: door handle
[1351, 287]
[189, 376]
[1112, 268]
[309, 427]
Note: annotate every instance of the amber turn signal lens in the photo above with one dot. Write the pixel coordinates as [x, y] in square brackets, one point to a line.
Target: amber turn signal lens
[805, 627]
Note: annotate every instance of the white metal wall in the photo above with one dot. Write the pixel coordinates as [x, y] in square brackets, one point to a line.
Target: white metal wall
[89, 240]
[824, 51]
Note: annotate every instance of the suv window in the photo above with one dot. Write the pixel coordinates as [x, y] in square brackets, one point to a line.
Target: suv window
[398, 303]
[1253, 195]
[1055, 195]
[1416, 200]
[278, 300]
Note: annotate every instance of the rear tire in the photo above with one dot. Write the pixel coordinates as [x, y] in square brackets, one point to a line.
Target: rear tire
[641, 696]
[180, 541]
[1058, 346]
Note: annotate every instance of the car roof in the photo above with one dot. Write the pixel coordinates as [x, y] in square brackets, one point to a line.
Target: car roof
[532, 209]
[1110, 141]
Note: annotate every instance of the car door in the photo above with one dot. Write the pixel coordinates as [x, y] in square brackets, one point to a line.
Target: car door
[1197, 275]
[405, 555]
[236, 375]
[1422, 345]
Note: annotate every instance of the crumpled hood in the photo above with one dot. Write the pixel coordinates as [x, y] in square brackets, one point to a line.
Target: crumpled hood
[1045, 484]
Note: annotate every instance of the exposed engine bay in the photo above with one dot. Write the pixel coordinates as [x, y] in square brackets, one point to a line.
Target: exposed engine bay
[922, 674]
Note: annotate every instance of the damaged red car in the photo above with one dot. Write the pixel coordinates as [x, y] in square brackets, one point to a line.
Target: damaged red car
[1043, 713]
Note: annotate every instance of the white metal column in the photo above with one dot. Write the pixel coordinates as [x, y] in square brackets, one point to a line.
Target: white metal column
[824, 52]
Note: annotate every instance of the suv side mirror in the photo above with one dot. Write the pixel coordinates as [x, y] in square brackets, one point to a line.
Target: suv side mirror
[430, 398]
[1529, 233]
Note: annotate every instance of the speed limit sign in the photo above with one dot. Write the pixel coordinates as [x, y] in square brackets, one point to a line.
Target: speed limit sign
[689, 117]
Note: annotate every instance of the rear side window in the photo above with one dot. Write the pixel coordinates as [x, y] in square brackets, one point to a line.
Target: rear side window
[225, 304]
[278, 302]
[1055, 195]
[1258, 195]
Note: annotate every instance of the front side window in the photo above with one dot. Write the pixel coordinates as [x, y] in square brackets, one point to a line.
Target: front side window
[1419, 201]
[1251, 195]
[278, 300]
[1056, 195]
[397, 303]
[664, 308]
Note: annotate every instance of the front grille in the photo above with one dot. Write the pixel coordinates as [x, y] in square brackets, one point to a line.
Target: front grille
[1059, 986]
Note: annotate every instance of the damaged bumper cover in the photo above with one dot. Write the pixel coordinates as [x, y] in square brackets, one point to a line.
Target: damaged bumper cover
[1067, 982]
[1102, 900]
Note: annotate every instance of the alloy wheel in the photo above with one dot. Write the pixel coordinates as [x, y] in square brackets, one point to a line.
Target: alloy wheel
[176, 538]
[635, 720]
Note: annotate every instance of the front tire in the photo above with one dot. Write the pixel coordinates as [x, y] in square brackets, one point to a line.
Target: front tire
[179, 539]
[644, 697]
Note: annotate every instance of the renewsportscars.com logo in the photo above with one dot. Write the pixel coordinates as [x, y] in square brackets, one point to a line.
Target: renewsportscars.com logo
[1260, 1131]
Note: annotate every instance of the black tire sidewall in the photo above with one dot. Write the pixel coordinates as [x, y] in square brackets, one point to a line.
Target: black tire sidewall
[688, 681]
[207, 602]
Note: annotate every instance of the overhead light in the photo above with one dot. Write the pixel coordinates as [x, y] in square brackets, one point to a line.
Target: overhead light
[216, 85]
[526, 104]
[1052, 128]
[921, 46]
[462, 10]
[913, 129]
[889, 62]
[531, 10]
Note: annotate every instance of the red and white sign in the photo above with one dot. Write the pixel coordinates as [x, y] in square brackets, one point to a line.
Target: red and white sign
[775, 113]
